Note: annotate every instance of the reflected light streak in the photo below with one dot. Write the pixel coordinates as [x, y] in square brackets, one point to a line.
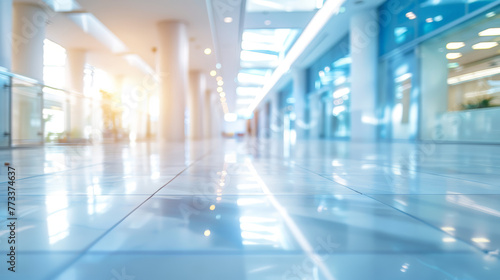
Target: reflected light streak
[294, 229]
[471, 204]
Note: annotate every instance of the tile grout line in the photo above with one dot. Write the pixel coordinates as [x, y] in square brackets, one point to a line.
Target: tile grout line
[85, 250]
[486, 252]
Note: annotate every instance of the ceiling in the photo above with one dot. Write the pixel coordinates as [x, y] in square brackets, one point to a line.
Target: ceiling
[215, 24]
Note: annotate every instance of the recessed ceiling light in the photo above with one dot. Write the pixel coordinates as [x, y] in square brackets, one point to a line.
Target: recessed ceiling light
[411, 15]
[208, 51]
[449, 239]
[484, 45]
[213, 73]
[228, 19]
[490, 14]
[455, 45]
[453, 55]
[218, 65]
[490, 32]
[219, 78]
[480, 240]
[222, 94]
[429, 20]
[220, 83]
[220, 89]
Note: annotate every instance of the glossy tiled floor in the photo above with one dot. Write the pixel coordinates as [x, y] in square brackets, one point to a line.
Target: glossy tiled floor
[255, 210]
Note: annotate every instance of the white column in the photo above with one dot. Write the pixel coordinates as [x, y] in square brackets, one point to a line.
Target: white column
[434, 90]
[29, 22]
[173, 68]
[75, 65]
[217, 116]
[196, 99]
[276, 117]
[6, 34]
[299, 96]
[207, 115]
[364, 54]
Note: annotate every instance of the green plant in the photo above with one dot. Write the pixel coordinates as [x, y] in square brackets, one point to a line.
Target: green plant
[483, 102]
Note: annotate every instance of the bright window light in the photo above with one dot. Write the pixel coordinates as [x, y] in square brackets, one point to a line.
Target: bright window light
[54, 63]
[490, 32]
[244, 101]
[484, 45]
[248, 91]
[455, 45]
[229, 117]
[246, 78]
[257, 56]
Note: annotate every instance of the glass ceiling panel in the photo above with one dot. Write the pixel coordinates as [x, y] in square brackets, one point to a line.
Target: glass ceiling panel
[283, 5]
[264, 48]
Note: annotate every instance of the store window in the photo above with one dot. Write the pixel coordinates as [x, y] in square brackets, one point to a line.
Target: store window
[461, 82]
[329, 93]
[404, 21]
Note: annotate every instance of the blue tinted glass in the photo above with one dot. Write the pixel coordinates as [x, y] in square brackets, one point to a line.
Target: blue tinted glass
[474, 5]
[332, 65]
[434, 14]
[397, 21]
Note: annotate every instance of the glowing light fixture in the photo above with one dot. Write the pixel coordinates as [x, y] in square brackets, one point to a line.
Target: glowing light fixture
[207, 233]
[208, 51]
[220, 83]
[490, 32]
[480, 240]
[453, 55]
[484, 45]
[228, 19]
[474, 76]
[455, 45]
[411, 15]
[213, 73]
[212, 207]
[220, 89]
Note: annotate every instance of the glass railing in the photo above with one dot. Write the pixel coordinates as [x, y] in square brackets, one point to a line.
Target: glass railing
[33, 114]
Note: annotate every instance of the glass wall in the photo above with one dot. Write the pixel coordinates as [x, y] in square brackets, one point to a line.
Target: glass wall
[27, 105]
[461, 95]
[329, 93]
[4, 110]
[399, 98]
[404, 21]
